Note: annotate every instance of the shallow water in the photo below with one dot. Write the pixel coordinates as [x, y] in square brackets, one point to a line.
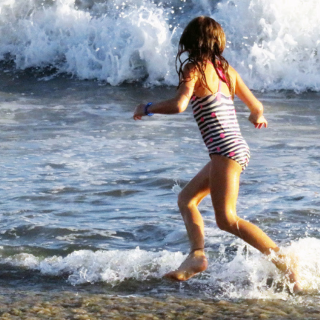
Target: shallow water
[88, 196]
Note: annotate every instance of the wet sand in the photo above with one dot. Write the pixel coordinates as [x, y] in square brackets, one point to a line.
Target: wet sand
[70, 305]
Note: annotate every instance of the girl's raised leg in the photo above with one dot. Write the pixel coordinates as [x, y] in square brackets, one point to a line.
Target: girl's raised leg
[224, 186]
[188, 201]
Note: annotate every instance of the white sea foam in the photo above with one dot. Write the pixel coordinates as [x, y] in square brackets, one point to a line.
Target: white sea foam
[244, 276]
[273, 44]
[109, 266]
[109, 43]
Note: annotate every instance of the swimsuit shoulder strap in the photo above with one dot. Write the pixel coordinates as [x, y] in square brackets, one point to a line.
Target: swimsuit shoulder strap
[219, 87]
[221, 75]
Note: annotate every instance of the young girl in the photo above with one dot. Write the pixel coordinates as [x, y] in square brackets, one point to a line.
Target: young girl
[206, 78]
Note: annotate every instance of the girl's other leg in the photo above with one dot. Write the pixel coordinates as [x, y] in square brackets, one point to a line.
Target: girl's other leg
[224, 185]
[188, 201]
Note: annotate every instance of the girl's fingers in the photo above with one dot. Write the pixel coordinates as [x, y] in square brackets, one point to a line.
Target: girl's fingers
[138, 112]
[258, 122]
[261, 125]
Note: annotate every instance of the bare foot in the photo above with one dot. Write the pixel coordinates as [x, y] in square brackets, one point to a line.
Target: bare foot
[289, 265]
[195, 262]
[293, 275]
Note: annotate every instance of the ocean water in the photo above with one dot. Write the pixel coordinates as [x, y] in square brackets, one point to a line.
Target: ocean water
[88, 196]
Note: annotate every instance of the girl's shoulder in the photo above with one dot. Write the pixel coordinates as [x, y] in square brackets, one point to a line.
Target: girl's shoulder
[190, 71]
[189, 67]
[232, 72]
[231, 69]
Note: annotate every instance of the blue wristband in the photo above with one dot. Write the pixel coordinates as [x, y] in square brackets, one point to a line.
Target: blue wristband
[146, 107]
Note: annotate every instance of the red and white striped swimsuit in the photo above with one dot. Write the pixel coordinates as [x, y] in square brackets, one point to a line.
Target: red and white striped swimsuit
[219, 127]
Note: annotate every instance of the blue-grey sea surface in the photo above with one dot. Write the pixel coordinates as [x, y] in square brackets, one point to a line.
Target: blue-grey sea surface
[88, 195]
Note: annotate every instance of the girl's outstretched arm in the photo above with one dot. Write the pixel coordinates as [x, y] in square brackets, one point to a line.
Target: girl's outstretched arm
[177, 104]
[243, 92]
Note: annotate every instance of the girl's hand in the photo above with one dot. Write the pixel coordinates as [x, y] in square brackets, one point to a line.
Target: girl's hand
[138, 112]
[258, 121]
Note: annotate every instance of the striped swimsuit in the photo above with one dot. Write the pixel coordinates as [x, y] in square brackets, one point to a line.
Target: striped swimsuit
[219, 127]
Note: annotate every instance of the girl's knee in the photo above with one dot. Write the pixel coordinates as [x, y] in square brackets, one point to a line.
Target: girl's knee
[182, 200]
[227, 222]
[185, 202]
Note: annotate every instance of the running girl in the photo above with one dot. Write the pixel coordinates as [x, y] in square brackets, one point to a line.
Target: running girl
[210, 83]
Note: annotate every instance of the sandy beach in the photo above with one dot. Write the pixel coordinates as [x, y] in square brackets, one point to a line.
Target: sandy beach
[71, 305]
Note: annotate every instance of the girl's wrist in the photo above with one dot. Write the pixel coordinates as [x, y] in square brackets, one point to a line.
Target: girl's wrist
[257, 113]
[257, 110]
[146, 109]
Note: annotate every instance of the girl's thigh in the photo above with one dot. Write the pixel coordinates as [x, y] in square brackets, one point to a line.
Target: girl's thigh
[224, 184]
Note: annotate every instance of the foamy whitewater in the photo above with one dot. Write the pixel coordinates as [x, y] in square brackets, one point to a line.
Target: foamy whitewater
[128, 41]
[88, 196]
[242, 277]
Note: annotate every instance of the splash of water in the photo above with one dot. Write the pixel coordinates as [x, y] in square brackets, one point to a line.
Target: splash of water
[276, 41]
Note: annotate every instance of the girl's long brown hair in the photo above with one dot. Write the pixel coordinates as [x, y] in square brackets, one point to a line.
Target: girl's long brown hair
[204, 40]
